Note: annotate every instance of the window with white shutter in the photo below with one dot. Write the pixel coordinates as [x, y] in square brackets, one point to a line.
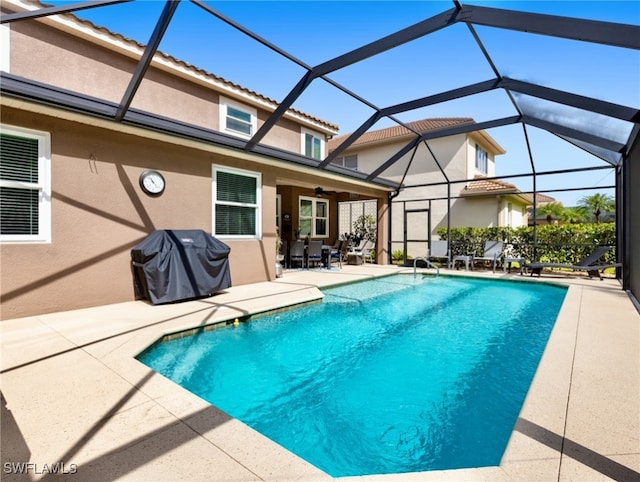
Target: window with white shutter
[25, 187]
[236, 203]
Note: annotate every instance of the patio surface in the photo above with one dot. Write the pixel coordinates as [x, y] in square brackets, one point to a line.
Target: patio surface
[72, 392]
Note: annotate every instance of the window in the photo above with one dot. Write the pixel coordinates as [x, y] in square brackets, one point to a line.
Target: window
[237, 118]
[313, 145]
[236, 203]
[5, 44]
[350, 162]
[314, 217]
[481, 159]
[25, 186]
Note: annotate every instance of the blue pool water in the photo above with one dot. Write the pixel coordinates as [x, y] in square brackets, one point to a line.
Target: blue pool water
[391, 375]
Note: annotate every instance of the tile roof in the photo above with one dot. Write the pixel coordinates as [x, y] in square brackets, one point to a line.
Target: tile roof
[121, 38]
[481, 186]
[544, 199]
[489, 185]
[381, 135]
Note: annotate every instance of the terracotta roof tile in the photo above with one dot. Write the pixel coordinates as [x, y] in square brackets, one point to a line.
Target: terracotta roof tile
[485, 185]
[544, 199]
[422, 126]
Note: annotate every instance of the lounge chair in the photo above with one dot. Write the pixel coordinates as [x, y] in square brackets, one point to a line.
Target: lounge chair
[588, 264]
[439, 249]
[361, 244]
[365, 250]
[492, 252]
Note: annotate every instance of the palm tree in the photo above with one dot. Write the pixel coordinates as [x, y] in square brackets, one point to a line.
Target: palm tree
[551, 210]
[597, 204]
[574, 215]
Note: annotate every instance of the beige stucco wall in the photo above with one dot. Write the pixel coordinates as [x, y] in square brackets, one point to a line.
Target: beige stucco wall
[451, 153]
[512, 212]
[479, 213]
[496, 211]
[45, 54]
[471, 157]
[55, 57]
[99, 213]
[456, 155]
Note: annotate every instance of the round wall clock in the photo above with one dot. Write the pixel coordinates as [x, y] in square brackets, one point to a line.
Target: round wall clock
[152, 182]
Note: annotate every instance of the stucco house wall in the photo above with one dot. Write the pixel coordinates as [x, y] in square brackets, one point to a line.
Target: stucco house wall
[513, 213]
[449, 151]
[456, 155]
[98, 210]
[100, 64]
[99, 213]
[474, 139]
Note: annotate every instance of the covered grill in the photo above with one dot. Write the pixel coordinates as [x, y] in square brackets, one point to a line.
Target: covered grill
[179, 264]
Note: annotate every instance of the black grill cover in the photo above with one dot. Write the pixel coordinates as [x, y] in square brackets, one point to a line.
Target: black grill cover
[179, 264]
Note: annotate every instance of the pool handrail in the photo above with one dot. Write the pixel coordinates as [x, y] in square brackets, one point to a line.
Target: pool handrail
[429, 264]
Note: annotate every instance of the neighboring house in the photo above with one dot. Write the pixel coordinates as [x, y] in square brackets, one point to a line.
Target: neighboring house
[495, 202]
[73, 203]
[417, 212]
[541, 218]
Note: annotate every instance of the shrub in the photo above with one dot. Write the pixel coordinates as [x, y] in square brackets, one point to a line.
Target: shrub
[397, 255]
[564, 243]
[364, 227]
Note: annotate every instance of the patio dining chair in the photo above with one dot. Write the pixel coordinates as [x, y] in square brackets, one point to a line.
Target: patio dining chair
[314, 253]
[296, 254]
[283, 252]
[338, 253]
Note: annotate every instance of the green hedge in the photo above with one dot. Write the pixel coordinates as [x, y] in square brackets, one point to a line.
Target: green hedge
[564, 243]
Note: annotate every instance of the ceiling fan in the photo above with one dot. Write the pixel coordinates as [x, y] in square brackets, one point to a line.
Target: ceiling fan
[319, 192]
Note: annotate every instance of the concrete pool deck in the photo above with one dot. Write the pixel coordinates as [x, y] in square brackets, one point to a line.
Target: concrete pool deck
[73, 393]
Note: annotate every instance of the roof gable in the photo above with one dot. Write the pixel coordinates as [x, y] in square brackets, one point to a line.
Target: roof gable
[393, 134]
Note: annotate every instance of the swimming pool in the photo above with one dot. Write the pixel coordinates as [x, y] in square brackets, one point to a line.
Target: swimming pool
[391, 375]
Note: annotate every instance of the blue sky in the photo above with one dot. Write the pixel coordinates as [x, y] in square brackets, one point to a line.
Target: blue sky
[314, 32]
